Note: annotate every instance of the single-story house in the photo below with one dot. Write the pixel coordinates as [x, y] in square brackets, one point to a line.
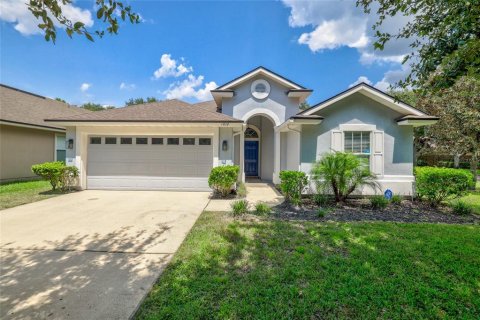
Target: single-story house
[25, 138]
[254, 121]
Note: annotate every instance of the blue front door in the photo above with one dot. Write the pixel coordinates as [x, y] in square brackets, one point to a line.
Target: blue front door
[251, 158]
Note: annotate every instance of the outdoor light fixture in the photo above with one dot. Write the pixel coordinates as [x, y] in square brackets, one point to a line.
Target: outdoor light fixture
[224, 145]
[70, 144]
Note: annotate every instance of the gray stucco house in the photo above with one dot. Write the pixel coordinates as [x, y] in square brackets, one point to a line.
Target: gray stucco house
[253, 121]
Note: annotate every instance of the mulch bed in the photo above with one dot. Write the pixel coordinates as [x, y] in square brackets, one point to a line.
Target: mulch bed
[360, 210]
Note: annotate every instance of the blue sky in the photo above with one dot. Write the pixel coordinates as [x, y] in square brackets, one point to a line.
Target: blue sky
[323, 45]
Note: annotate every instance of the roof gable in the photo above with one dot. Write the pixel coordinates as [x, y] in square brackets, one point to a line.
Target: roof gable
[372, 93]
[263, 72]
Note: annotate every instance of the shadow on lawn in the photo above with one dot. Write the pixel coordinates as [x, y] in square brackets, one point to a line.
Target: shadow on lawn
[280, 270]
[78, 277]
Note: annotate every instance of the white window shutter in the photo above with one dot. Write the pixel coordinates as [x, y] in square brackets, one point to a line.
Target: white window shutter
[377, 153]
[337, 140]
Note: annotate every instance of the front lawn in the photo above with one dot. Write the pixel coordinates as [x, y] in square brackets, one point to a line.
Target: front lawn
[16, 193]
[271, 269]
[472, 198]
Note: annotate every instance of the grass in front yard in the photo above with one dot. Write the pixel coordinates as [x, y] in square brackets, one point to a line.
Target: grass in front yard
[472, 198]
[16, 193]
[269, 269]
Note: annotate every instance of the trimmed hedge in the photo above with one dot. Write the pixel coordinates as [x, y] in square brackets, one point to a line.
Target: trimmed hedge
[222, 179]
[57, 173]
[292, 185]
[437, 184]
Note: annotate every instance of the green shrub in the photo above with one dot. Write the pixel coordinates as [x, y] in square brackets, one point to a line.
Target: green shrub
[68, 178]
[320, 199]
[239, 207]
[292, 184]
[396, 199]
[461, 208]
[262, 209]
[322, 212]
[222, 179]
[437, 184]
[342, 173]
[50, 171]
[241, 190]
[378, 202]
[57, 173]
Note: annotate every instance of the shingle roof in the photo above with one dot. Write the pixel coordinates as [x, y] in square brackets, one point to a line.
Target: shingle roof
[21, 107]
[208, 105]
[163, 111]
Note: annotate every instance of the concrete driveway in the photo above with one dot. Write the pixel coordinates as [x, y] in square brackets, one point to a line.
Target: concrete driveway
[91, 254]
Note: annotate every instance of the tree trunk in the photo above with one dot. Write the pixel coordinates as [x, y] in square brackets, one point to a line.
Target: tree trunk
[474, 167]
[456, 160]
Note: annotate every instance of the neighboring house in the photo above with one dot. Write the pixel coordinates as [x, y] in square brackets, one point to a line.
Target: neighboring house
[25, 138]
[254, 121]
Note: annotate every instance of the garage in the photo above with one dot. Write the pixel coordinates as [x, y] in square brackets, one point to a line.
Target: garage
[149, 162]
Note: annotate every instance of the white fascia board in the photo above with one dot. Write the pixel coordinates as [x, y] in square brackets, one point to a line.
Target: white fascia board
[377, 96]
[416, 123]
[149, 124]
[262, 72]
[287, 125]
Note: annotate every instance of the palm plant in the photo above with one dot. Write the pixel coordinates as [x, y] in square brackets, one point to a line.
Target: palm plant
[342, 173]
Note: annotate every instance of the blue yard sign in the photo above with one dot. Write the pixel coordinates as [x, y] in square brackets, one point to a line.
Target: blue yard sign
[388, 194]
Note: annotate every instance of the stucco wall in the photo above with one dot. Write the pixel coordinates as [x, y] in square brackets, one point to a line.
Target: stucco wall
[226, 156]
[20, 148]
[358, 109]
[277, 104]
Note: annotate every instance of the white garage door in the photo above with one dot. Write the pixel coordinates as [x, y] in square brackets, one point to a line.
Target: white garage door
[149, 162]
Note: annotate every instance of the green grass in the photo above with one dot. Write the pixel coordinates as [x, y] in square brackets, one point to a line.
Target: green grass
[472, 198]
[266, 269]
[16, 193]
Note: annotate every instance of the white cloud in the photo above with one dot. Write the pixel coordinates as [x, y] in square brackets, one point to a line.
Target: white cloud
[390, 78]
[127, 86]
[191, 87]
[171, 68]
[338, 24]
[360, 80]
[85, 86]
[16, 12]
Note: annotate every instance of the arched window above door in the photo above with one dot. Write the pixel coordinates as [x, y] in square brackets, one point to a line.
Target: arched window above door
[250, 133]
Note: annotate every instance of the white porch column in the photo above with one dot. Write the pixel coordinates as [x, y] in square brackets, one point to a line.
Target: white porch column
[216, 146]
[81, 144]
[276, 158]
[242, 154]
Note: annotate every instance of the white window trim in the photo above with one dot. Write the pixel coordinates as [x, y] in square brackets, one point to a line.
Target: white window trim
[370, 157]
[358, 127]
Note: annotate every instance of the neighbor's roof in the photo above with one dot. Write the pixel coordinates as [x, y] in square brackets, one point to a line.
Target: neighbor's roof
[163, 111]
[26, 108]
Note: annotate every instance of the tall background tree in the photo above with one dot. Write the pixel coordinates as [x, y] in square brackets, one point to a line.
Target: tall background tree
[444, 38]
[135, 101]
[95, 107]
[108, 12]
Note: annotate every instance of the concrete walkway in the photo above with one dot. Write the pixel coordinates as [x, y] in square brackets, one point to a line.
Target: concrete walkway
[91, 254]
[257, 191]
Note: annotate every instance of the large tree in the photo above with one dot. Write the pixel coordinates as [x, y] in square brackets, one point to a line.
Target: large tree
[95, 107]
[108, 12]
[458, 130]
[135, 101]
[444, 38]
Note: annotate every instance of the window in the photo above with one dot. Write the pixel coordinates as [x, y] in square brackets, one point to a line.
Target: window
[188, 141]
[125, 140]
[157, 140]
[141, 140]
[204, 141]
[95, 140]
[173, 141]
[251, 134]
[358, 143]
[260, 87]
[110, 140]
[60, 148]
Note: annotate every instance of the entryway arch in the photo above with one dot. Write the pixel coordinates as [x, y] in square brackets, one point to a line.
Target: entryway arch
[259, 152]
